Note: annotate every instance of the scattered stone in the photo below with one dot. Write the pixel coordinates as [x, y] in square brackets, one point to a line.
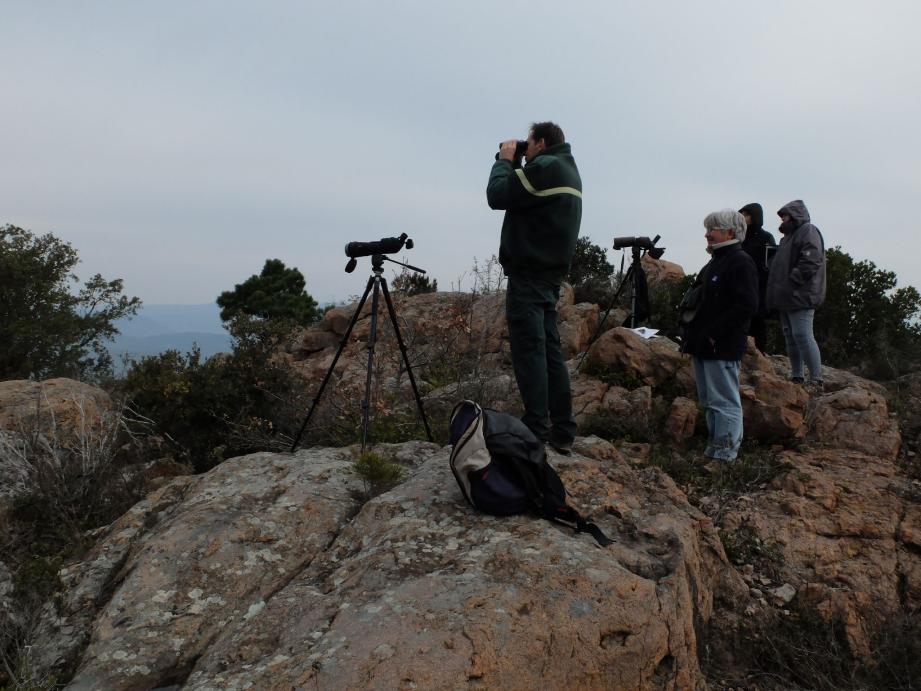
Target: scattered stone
[784, 594]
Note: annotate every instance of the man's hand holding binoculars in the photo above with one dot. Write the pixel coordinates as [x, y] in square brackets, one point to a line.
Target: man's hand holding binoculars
[509, 151]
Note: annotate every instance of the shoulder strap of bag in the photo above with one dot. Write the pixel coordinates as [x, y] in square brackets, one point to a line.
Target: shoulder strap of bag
[548, 506]
[469, 453]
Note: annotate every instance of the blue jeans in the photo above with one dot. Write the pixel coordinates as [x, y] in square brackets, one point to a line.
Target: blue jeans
[801, 345]
[718, 394]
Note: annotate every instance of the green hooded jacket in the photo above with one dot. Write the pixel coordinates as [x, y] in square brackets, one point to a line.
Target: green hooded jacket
[543, 211]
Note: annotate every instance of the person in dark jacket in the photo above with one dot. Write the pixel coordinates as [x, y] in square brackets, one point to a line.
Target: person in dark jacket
[756, 242]
[717, 336]
[543, 211]
[796, 287]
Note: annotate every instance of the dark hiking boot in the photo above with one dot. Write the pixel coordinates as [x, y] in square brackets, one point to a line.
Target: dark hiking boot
[564, 448]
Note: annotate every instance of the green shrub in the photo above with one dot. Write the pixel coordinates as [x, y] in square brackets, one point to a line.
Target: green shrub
[226, 406]
[377, 473]
[590, 273]
[804, 651]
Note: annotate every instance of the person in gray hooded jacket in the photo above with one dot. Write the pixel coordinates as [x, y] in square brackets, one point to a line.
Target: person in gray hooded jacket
[796, 287]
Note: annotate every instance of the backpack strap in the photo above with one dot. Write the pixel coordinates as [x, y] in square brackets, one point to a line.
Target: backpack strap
[568, 516]
[548, 506]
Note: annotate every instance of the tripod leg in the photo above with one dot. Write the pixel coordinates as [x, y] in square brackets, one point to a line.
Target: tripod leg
[591, 341]
[372, 337]
[329, 372]
[409, 370]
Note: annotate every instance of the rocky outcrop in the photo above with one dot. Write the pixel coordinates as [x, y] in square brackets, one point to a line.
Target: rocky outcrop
[63, 407]
[269, 572]
[847, 529]
[660, 272]
[458, 345]
[57, 413]
[275, 571]
[641, 361]
[858, 418]
[774, 408]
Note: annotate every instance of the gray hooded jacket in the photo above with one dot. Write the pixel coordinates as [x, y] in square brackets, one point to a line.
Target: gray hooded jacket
[796, 280]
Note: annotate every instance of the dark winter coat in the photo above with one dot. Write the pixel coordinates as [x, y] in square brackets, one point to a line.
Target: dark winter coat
[543, 212]
[796, 280]
[756, 242]
[719, 330]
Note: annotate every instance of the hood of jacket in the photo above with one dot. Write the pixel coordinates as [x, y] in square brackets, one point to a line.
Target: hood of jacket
[797, 211]
[756, 212]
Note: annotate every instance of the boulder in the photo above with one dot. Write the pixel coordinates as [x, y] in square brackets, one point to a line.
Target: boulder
[682, 419]
[577, 325]
[630, 408]
[773, 407]
[314, 340]
[61, 407]
[856, 418]
[660, 272]
[649, 361]
[846, 527]
[61, 412]
[267, 572]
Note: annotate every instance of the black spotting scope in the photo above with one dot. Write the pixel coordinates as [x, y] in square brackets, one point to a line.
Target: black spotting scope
[375, 248]
[641, 242]
[382, 246]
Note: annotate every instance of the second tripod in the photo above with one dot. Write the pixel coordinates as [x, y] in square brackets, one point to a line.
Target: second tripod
[377, 284]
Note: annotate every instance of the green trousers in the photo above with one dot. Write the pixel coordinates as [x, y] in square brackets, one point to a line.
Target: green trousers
[543, 380]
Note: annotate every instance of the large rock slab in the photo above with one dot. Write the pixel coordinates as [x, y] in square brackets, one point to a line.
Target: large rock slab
[856, 417]
[257, 575]
[847, 527]
[643, 361]
[63, 407]
[193, 557]
[57, 413]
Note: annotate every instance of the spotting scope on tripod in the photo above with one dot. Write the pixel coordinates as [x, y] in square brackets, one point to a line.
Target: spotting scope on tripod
[378, 284]
[635, 278]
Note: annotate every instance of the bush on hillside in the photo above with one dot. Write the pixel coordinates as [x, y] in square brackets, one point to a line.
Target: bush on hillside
[210, 410]
[276, 294]
[867, 322]
[590, 273]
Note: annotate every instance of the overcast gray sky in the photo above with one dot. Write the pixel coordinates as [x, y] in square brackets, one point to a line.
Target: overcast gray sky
[179, 145]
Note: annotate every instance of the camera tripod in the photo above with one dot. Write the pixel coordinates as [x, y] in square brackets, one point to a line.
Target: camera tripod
[378, 284]
[636, 278]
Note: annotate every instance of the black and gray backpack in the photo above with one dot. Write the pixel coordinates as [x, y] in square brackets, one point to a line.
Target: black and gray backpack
[502, 469]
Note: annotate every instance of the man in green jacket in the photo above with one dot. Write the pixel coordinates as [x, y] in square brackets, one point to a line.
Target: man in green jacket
[543, 210]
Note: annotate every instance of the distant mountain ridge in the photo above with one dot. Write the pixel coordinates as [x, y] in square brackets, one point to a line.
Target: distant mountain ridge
[157, 328]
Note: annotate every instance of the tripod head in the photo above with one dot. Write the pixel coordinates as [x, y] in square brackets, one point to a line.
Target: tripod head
[376, 248]
[377, 264]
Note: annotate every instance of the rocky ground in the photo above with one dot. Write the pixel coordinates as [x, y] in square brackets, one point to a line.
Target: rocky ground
[271, 572]
[279, 571]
